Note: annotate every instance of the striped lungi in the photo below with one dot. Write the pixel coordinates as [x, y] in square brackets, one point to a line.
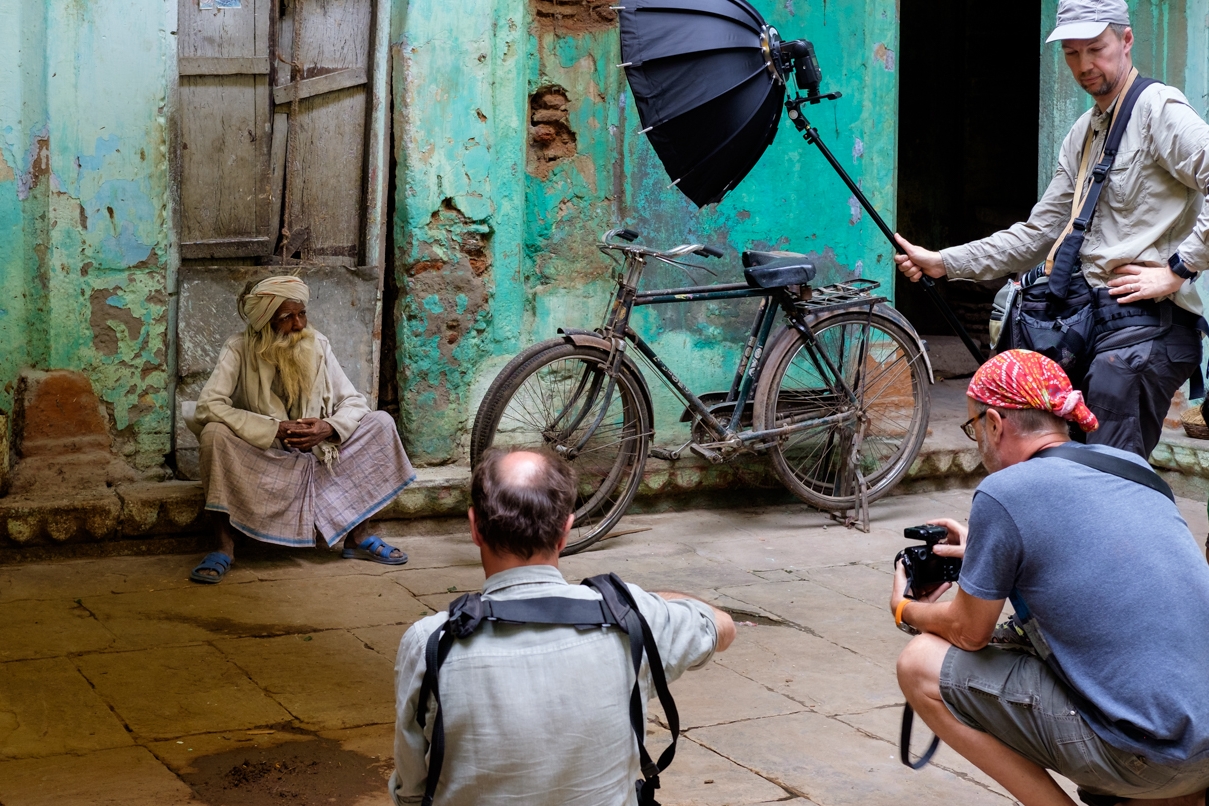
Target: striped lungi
[287, 496]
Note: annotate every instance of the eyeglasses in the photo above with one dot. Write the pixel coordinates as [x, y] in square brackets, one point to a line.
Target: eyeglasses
[968, 425]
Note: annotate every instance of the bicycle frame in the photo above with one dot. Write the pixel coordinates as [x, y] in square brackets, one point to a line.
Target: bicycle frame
[750, 367]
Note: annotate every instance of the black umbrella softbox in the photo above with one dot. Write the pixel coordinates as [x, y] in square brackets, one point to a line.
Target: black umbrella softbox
[705, 92]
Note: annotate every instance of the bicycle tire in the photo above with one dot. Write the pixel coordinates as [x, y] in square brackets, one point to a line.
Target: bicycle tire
[894, 402]
[551, 386]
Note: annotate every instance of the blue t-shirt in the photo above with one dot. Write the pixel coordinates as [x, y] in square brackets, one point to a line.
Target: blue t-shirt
[1119, 588]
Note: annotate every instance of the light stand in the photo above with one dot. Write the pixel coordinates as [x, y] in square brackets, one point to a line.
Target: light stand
[799, 57]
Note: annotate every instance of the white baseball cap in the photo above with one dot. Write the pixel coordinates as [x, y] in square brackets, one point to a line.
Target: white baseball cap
[1087, 19]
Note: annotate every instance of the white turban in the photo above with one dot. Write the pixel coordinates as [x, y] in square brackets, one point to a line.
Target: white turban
[266, 297]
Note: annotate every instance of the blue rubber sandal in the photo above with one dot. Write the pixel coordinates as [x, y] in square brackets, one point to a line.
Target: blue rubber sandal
[374, 549]
[215, 561]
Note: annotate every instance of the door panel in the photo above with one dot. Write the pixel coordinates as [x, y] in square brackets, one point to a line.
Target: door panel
[236, 113]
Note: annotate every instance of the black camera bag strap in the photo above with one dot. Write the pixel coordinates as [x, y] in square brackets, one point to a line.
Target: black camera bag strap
[1107, 463]
[617, 608]
[1065, 257]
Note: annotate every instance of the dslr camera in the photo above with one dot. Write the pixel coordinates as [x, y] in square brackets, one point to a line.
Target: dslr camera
[926, 569]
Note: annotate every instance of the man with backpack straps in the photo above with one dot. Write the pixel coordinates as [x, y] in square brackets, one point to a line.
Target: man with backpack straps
[1143, 248]
[536, 700]
[1110, 688]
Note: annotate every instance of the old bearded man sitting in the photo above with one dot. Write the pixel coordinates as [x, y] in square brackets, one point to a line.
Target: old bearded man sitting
[289, 448]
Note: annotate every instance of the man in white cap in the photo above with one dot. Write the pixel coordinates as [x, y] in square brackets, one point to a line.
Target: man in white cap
[1145, 245]
[289, 448]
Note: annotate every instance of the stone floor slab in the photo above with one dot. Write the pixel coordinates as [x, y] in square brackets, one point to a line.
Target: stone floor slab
[427, 581]
[178, 754]
[176, 691]
[384, 640]
[289, 606]
[120, 777]
[47, 708]
[870, 583]
[716, 695]
[49, 628]
[864, 628]
[811, 670]
[345, 683]
[700, 777]
[74, 579]
[833, 764]
[374, 742]
[807, 548]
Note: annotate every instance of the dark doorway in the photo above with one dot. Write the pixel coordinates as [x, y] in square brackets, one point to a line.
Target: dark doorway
[967, 138]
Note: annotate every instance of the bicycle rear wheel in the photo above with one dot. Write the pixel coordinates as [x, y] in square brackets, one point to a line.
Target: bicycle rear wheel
[887, 373]
[559, 395]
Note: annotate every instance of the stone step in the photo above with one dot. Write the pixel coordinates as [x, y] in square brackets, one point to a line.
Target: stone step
[131, 517]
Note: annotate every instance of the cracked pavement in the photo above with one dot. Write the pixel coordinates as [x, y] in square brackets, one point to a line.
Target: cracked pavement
[118, 675]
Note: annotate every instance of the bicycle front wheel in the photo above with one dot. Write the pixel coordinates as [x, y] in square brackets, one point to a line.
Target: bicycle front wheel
[884, 427]
[559, 396]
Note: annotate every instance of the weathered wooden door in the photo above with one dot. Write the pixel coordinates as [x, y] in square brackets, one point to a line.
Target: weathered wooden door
[283, 129]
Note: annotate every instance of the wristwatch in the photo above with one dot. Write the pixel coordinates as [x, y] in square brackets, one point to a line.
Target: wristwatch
[898, 618]
[1176, 264]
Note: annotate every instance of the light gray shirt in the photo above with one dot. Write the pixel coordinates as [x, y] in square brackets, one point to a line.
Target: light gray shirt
[1151, 206]
[538, 715]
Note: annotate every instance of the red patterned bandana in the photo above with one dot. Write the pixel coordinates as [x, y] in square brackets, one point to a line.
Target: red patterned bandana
[1021, 379]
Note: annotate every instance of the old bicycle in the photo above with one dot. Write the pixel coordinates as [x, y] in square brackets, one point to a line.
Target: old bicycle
[837, 397]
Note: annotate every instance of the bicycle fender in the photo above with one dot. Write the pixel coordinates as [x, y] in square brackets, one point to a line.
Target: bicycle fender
[590, 338]
[893, 314]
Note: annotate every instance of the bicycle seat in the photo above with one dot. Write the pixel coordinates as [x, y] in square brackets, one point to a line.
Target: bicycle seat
[777, 269]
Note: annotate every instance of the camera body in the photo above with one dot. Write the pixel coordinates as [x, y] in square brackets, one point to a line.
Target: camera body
[925, 569]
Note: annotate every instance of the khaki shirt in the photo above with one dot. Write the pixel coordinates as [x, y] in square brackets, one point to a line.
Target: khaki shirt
[1151, 206]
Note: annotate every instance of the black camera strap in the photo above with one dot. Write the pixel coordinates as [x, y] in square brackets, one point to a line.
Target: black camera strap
[617, 608]
[1107, 463]
[1065, 255]
[904, 742]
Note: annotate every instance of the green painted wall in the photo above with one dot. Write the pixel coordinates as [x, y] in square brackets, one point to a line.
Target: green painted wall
[493, 233]
[472, 186]
[84, 205]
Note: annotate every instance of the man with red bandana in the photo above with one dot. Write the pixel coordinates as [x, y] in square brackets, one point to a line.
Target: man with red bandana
[1107, 584]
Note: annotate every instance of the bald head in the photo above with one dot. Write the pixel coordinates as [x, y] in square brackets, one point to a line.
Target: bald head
[522, 500]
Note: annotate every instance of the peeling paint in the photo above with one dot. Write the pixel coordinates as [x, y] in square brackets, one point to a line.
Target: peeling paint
[84, 264]
[885, 56]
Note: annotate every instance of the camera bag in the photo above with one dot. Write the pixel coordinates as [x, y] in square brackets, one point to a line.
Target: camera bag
[1051, 309]
[617, 609]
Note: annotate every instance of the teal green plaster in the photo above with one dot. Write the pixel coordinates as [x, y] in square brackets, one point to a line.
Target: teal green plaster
[432, 303]
[84, 200]
[463, 80]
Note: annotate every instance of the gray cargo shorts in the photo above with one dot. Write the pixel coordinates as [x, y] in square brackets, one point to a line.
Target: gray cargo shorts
[1017, 699]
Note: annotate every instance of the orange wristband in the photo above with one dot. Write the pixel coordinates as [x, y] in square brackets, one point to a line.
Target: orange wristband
[898, 612]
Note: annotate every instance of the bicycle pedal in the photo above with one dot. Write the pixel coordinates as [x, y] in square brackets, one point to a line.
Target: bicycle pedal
[705, 453]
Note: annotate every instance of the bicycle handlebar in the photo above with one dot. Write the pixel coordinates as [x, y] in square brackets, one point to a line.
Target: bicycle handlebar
[629, 236]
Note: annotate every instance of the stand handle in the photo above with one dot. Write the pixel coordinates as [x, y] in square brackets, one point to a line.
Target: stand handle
[811, 135]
